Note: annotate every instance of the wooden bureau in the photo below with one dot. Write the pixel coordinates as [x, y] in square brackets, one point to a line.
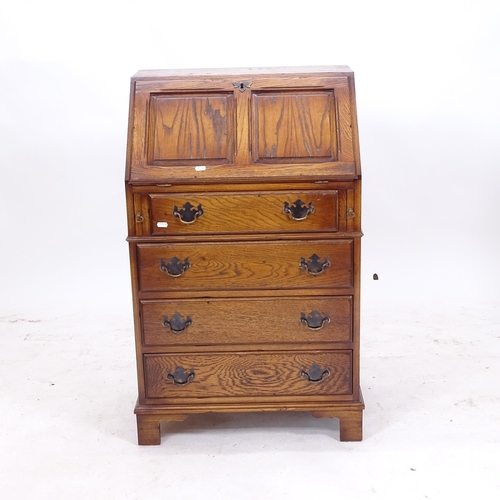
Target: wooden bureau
[244, 202]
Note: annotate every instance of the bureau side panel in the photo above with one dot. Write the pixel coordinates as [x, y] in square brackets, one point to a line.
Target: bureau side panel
[357, 290]
[137, 320]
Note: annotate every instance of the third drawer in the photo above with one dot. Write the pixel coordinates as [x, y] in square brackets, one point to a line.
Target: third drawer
[272, 320]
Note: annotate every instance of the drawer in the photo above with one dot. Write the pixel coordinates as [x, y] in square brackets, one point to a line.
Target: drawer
[245, 265]
[273, 320]
[173, 376]
[244, 212]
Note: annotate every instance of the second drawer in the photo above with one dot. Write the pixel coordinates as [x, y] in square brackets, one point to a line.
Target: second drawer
[245, 265]
[271, 320]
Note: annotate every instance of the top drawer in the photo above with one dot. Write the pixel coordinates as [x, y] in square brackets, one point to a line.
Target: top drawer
[241, 212]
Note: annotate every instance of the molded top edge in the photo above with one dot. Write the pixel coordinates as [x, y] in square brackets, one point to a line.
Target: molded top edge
[284, 70]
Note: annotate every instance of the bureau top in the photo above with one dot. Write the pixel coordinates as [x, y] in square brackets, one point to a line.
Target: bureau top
[147, 74]
[243, 125]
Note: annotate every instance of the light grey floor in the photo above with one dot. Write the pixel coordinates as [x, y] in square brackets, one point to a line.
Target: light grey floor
[432, 422]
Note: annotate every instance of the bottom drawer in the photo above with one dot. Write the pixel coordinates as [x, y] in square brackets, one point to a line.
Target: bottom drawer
[207, 375]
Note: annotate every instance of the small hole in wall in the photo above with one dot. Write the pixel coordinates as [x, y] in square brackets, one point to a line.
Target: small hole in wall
[375, 276]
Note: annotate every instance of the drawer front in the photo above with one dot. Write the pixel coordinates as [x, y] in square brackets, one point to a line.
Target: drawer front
[245, 265]
[244, 212]
[208, 375]
[197, 322]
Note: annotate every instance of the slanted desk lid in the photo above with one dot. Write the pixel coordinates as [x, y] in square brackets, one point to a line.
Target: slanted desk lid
[251, 125]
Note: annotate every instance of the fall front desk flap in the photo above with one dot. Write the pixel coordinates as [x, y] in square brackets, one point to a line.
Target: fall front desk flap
[250, 125]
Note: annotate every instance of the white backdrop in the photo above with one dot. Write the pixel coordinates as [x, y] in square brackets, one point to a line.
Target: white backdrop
[427, 80]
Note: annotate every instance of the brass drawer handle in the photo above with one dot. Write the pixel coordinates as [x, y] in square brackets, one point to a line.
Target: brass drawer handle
[314, 266]
[180, 376]
[175, 267]
[315, 373]
[314, 321]
[188, 214]
[177, 324]
[298, 210]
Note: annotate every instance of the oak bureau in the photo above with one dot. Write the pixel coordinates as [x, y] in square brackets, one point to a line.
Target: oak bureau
[244, 206]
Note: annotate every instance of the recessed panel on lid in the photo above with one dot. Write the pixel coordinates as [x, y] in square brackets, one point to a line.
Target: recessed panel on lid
[190, 129]
[294, 126]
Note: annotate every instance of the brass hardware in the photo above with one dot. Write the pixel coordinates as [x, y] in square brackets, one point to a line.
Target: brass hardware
[350, 213]
[314, 321]
[315, 373]
[139, 218]
[175, 267]
[321, 182]
[298, 210]
[164, 185]
[314, 266]
[177, 324]
[180, 376]
[242, 86]
[186, 214]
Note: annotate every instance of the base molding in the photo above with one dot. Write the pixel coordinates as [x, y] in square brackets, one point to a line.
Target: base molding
[350, 415]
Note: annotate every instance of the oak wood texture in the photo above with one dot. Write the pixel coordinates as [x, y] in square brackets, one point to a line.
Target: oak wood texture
[148, 430]
[244, 224]
[250, 374]
[280, 120]
[243, 212]
[190, 129]
[245, 265]
[294, 127]
[236, 174]
[148, 427]
[234, 322]
[350, 415]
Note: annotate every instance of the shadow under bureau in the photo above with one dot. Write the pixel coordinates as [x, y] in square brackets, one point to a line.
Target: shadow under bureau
[244, 225]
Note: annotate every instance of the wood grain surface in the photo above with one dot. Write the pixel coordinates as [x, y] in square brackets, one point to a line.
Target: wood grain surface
[191, 129]
[244, 212]
[228, 289]
[245, 265]
[248, 374]
[297, 126]
[304, 123]
[256, 321]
